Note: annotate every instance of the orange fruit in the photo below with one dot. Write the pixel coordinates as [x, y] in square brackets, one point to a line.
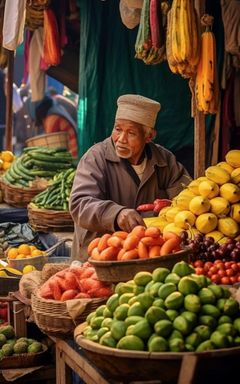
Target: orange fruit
[25, 249]
[12, 253]
[7, 156]
[36, 252]
[32, 247]
[1, 163]
[6, 165]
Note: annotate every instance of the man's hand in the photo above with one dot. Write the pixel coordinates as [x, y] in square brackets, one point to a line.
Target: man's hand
[127, 219]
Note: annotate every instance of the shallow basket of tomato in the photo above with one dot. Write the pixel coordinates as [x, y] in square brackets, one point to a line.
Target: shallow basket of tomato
[124, 270]
[168, 367]
[54, 317]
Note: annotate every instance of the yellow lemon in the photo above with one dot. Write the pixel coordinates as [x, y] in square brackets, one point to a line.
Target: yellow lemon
[36, 252]
[28, 268]
[25, 249]
[3, 274]
[32, 247]
[21, 256]
[7, 156]
[12, 253]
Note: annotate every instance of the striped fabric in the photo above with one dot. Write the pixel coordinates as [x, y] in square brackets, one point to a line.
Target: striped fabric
[55, 123]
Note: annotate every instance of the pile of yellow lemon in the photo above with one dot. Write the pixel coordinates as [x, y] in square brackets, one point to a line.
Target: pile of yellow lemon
[6, 159]
[24, 251]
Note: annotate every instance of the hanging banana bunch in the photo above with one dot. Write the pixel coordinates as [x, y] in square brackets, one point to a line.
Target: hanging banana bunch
[207, 86]
[150, 42]
[183, 38]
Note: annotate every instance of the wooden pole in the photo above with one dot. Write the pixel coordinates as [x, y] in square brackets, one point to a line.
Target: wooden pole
[9, 97]
[199, 122]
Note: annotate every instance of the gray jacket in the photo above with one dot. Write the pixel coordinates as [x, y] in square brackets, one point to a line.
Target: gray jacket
[105, 184]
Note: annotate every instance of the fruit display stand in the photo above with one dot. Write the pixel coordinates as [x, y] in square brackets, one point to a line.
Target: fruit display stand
[122, 366]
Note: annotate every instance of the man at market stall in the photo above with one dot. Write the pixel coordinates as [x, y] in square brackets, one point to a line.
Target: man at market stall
[123, 171]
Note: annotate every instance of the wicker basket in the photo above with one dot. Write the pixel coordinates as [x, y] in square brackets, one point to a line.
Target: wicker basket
[116, 271]
[25, 360]
[16, 196]
[53, 140]
[52, 316]
[46, 220]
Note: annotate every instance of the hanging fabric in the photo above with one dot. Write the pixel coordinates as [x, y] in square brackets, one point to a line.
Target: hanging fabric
[36, 75]
[13, 24]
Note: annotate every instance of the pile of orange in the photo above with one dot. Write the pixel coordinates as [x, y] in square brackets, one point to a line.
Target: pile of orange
[24, 251]
[6, 159]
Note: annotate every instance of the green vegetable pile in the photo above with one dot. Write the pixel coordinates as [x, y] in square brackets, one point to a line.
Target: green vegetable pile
[37, 162]
[176, 311]
[56, 196]
[10, 345]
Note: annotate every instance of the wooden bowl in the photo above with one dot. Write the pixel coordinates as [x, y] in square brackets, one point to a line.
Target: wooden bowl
[116, 271]
[166, 367]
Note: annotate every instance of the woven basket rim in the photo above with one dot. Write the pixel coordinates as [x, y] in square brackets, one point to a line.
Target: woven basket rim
[51, 134]
[153, 260]
[47, 211]
[51, 301]
[20, 189]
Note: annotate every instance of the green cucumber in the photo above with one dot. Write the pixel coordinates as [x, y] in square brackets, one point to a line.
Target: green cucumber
[44, 157]
[51, 166]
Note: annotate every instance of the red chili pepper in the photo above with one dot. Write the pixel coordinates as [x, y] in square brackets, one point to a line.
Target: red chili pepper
[145, 207]
[161, 203]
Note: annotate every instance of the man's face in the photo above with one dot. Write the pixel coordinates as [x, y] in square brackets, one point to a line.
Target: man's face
[129, 140]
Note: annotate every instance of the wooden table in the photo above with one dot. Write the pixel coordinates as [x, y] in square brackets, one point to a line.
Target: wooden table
[67, 358]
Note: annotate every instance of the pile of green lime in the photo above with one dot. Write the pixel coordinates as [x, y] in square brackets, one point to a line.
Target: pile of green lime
[176, 311]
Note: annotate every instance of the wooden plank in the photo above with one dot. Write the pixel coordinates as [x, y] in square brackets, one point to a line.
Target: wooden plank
[199, 122]
[19, 320]
[63, 373]
[216, 131]
[9, 97]
[65, 355]
[199, 144]
[188, 368]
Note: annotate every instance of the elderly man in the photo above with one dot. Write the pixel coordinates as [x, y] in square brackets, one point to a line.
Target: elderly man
[125, 170]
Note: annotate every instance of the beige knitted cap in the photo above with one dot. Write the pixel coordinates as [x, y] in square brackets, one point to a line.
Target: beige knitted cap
[138, 108]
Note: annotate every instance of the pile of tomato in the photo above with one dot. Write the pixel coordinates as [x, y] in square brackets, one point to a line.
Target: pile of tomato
[219, 271]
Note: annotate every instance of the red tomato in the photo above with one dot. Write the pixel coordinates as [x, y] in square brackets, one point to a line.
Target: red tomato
[233, 279]
[216, 278]
[228, 264]
[225, 280]
[238, 264]
[230, 272]
[213, 269]
[199, 271]
[207, 265]
[220, 265]
[238, 278]
[198, 263]
[235, 267]
[217, 261]
[221, 272]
